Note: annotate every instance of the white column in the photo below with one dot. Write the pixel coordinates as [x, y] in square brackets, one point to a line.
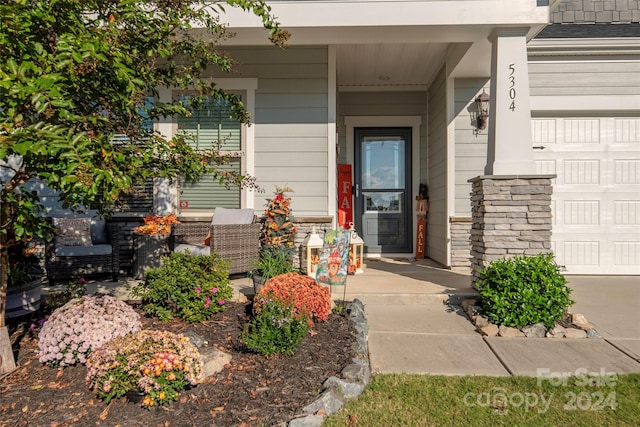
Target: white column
[510, 151]
[165, 194]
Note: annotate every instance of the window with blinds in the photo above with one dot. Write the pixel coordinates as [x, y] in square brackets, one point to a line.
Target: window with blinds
[212, 126]
[139, 198]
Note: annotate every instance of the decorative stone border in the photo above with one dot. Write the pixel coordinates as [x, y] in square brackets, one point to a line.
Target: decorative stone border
[355, 376]
[335, 391]
[579, 328]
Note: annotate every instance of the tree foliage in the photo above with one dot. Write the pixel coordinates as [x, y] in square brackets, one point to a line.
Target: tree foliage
[74, 73]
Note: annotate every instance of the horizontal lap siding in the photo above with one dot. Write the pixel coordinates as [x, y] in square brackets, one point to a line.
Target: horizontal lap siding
[471, 149]
[584, 77]
[290, 122]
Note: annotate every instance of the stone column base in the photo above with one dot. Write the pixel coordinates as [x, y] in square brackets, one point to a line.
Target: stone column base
[511, 217]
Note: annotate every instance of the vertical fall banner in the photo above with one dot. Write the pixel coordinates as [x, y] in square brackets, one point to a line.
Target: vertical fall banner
[345, 208]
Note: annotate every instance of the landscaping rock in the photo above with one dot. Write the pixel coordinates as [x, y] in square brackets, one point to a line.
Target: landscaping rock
[556, 332]
[481, 321]
[592, 333]
[473, 310]
[508, 332]
[468, 303]
[308, 421]
[581, 322]
[195, 338]
[329, 401]
[575, 333]
[213, 360]
[489, 330]
[347, 389]
[358, 372]
[535, 331]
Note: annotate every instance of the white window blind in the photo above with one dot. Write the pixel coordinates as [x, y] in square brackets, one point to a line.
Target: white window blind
[212, 124]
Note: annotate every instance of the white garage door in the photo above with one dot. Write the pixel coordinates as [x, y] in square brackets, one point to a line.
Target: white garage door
[596, 195]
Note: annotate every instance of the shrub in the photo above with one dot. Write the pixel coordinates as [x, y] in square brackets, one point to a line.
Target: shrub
[522, 291]
[192, 287]
[82, 325]
[274, 329]
[310, 299]
[159, 364]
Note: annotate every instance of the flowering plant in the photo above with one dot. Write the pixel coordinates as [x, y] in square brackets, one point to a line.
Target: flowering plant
[275, 329]
[160, 364]
[310, 300]
[192, 287]
[155, 224]
[83, 324]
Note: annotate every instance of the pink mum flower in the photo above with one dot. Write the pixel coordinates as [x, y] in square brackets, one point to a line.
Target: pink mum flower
[207, 302]
[198, 289]
[221, 302]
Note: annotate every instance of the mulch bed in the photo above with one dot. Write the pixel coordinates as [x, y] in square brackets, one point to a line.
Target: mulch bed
[252, 390]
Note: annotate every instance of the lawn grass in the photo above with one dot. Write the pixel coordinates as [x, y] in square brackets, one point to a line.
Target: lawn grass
[425, 400]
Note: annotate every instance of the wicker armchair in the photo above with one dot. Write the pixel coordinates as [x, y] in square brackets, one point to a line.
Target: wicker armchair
[101, 258]
[238, 243]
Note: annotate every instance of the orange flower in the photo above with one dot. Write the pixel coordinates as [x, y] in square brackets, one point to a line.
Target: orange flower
[154, 224]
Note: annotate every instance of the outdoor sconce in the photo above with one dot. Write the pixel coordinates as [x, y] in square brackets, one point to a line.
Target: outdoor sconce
[312, 245]
[356, 252]
[482, 110]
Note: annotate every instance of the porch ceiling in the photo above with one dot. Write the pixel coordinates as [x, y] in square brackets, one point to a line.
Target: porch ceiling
[389, 65]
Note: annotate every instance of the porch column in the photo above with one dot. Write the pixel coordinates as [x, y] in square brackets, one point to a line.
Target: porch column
[511, 205]
[510, 151]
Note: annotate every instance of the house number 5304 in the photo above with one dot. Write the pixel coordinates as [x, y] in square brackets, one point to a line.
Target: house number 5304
[512, 89]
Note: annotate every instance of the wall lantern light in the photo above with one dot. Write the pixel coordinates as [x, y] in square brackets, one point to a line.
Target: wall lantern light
[356, 251]
[482, 110]
[312, 245]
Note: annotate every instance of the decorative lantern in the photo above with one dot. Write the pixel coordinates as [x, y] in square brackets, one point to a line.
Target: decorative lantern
[482, 110]
[356, 251]
[312, 245]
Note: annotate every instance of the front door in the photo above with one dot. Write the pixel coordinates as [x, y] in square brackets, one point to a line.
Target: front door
[383, 189]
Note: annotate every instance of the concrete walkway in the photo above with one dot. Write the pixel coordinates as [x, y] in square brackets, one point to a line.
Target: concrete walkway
[413, 330]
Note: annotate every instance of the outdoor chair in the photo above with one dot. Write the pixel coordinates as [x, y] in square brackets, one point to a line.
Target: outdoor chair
[234, 234]
[84, 245]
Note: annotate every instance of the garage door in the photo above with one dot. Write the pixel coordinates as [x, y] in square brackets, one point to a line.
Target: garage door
[596, 195]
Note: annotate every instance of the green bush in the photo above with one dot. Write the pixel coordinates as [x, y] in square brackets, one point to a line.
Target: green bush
[274, 330]
[192, 287]
[523, 291]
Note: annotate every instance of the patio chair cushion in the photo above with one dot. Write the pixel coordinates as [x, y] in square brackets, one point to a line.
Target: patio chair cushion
[93, 250]
[98, 223]
[193, 249]
[73, 231]
[232, 216]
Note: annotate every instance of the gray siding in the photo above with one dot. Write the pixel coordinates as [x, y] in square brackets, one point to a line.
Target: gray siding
[380, 104]
[470, 149]
[584, 76]
[437, 128]
[290, 122]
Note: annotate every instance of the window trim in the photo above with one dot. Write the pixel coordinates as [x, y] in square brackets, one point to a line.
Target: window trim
[246, 87]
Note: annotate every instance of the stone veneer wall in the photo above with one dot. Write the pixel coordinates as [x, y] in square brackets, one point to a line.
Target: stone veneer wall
[511, 216]
[305, 225]
[460, 229]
